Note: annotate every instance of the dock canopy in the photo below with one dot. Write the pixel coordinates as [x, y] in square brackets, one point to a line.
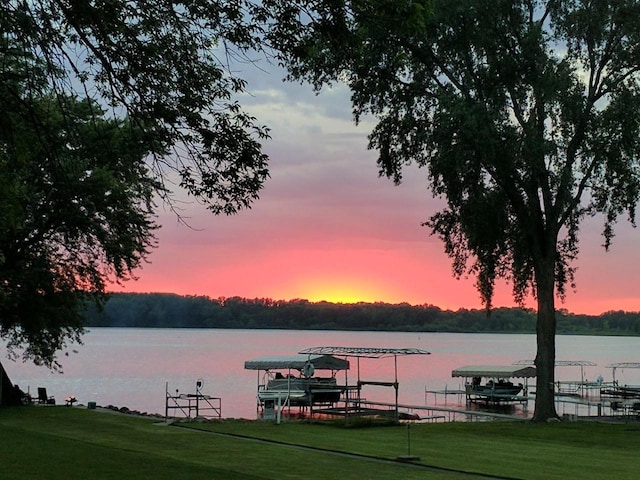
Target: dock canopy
[495, 371]
[296, 362]
[365, 352]
[561, 363]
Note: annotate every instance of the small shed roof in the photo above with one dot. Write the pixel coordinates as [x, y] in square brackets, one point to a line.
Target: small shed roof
[296, 362]
[494, 371]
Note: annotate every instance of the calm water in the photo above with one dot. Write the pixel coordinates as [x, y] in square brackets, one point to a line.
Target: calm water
[132, 367]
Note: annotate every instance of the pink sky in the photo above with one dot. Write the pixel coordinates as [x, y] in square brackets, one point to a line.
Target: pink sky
[327, 227]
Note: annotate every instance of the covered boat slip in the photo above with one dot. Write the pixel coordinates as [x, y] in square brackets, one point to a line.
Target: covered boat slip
[291, 381]
[499, 387]
[624, 392]
[296, 362]
[574, 388]
[353, 403]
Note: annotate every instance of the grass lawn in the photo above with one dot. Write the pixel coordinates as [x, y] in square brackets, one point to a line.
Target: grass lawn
[60, 442]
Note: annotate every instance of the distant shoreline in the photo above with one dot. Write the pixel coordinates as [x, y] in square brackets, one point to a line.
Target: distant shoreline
[161, 310]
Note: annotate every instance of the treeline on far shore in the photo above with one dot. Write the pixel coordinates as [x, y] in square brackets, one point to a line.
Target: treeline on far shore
[161, 310]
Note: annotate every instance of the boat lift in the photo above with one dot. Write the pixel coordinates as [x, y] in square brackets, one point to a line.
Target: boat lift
[622, 398]
[615, 366]
[572, 388]
[297, 392]
[354, 404]
[497, 372]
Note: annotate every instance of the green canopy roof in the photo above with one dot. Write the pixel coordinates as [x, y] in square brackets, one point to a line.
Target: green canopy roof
[495, 371]
[296, 362]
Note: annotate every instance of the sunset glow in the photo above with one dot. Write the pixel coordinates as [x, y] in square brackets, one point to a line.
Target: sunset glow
[326, 227]
[343, 291]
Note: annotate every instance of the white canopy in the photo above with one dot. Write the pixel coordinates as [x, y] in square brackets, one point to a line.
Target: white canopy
[366, 352]
[495, 371]
[296, 362]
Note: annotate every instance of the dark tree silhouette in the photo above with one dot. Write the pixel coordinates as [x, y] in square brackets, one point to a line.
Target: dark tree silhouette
[104, 108]
[526, 115]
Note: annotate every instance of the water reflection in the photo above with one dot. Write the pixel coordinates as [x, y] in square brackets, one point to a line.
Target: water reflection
[133, 367]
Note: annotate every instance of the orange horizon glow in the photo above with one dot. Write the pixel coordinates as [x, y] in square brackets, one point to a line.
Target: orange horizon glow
[343, 289]
[347, 276]
[352, 270]
[347, 292]
[350, 297]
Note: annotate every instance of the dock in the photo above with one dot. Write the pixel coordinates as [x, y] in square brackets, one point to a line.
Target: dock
[191, 405]
[418, 413]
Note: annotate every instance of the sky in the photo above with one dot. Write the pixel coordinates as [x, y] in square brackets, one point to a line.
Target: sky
[327, 227]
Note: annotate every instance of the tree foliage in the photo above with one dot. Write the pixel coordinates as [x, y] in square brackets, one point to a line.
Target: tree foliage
[76, 211]
[525, 114]
[104, 107]
[165, 65]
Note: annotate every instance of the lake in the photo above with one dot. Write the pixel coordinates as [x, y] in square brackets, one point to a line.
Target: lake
[134, 367]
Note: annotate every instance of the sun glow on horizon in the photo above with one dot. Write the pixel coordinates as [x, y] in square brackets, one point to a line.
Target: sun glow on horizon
[344, 291]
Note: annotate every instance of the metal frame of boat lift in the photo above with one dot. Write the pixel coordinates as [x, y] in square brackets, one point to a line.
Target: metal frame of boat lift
[503, 372]
[358, 406]
[571, 387]
[273, 403]
[623, 399]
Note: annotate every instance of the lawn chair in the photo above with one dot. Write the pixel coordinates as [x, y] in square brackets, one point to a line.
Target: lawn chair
[44, 398]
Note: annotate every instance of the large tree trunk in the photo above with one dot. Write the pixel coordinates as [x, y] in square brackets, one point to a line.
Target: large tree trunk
[545, 408]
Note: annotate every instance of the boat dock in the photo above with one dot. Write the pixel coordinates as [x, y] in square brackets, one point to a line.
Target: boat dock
[191, 405]
[417, 413]
[297, 390]
[445, 393]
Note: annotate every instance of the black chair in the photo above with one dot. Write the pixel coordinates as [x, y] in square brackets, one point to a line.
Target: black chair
[44, 398]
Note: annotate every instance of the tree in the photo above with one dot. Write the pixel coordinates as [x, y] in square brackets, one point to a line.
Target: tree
[526, 115]
[70, 223]
[104, 107]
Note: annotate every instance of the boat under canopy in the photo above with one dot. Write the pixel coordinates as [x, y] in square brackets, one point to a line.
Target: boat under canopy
[499, 388]
[284, 386]
[293, 380]
[495, 371]
[622, 391]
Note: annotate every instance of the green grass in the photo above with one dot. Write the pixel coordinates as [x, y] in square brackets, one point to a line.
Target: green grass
[60, 442]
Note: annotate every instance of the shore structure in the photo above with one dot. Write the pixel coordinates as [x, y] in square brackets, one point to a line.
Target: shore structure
[574, 388]
[292, 385]
[498, 388]
[624, 399]
[290, 381]
[353, 402]
[191, 405]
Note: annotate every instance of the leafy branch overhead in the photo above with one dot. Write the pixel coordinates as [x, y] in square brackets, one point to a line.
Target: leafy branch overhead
[106, 107]
[164, 65]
